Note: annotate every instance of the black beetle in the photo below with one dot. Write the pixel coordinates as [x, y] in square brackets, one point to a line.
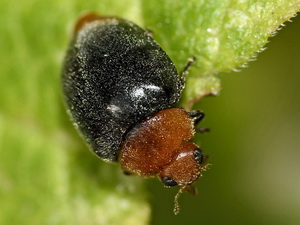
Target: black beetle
[119, 86]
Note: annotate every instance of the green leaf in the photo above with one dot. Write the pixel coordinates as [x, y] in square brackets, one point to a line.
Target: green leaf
[47, 174]
[223, 35]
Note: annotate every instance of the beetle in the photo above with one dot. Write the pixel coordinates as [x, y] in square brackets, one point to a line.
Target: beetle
[120, 88]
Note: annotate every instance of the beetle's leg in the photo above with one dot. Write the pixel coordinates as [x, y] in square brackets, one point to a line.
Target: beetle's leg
[197, 116]
[184, 72]
[191, 190]
[127, 173]
[202, 130]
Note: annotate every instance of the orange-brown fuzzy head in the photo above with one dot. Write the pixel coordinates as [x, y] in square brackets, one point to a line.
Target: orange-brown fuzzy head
[185, 168]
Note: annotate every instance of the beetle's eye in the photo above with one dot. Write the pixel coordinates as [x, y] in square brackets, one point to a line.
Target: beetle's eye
[198, 154]
[169, 182]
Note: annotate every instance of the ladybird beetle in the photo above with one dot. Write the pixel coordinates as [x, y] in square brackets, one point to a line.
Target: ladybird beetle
[120, 86]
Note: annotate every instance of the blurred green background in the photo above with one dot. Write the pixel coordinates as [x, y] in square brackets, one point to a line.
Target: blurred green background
[47, 175]
[254, 144]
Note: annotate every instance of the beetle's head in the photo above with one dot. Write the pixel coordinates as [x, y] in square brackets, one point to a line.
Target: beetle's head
[186, 168]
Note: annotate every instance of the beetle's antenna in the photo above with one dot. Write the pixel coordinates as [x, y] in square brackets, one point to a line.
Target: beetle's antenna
[192, 190]
[176, 205]
[206, 166]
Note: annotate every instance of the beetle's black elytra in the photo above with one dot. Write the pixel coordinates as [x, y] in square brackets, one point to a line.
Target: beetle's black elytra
[115, 76]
